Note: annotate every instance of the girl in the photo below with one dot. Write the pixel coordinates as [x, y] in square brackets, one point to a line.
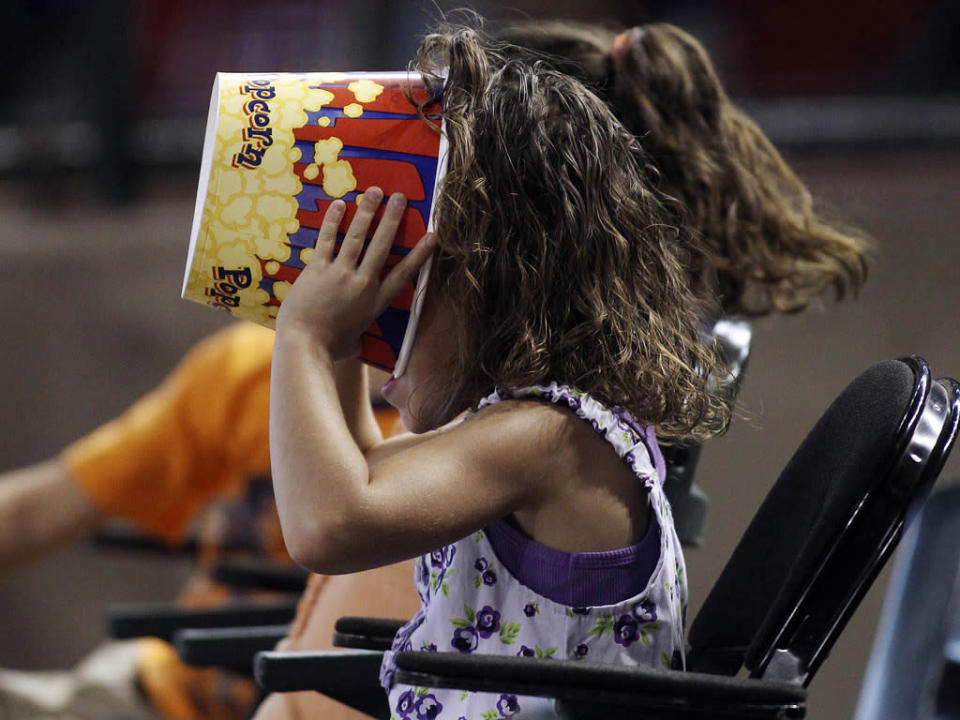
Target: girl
[757, 242]
[559, 311]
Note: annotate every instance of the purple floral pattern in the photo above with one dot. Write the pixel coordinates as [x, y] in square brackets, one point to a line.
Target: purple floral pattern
[472, 604]
[626, 631]
[405, 703]
[645, 611]
[508, 706]
[427, 707]
[488, 621]
[465, 639]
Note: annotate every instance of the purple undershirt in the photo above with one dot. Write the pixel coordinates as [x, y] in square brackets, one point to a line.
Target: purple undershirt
[584, 579]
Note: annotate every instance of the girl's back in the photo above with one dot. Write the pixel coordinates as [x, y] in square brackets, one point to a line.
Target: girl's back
[603, 581]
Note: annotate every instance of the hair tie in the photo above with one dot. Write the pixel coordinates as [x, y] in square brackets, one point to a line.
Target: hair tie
[622, 44]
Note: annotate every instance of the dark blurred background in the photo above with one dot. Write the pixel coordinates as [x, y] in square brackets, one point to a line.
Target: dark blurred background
[101, 128]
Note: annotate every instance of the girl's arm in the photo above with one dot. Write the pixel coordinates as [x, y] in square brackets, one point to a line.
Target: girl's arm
[341, 512]
[41, 509]
[353, 390]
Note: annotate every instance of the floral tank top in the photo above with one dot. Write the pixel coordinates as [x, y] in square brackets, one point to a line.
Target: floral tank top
[499, 592]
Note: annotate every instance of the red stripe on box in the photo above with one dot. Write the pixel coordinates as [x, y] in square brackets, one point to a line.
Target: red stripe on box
[409, 231]
[389, 175]
[376, 351]
[406, 136]
[392, 99]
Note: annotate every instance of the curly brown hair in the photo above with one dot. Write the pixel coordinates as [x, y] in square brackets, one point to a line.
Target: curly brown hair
[757, 242]
[554, 254]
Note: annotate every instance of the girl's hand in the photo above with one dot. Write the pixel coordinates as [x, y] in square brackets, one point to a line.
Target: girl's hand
[335, 299]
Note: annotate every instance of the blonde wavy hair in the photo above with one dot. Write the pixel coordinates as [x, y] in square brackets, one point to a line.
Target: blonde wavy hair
[556, 257]
[756, 240]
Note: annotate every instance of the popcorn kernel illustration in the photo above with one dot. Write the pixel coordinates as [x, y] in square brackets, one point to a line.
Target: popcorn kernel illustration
[316, 98]
[276, 208]
[338, 178]
[280, 289]
[326, 151]
[231, 182]
[236, 210]
[353, 110]
[311, 171]
[365, 90]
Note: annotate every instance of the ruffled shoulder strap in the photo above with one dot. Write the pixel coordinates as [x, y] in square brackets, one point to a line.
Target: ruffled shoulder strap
[637, 445]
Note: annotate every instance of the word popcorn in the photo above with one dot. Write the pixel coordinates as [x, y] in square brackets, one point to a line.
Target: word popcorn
[227, 284]
[258, 134]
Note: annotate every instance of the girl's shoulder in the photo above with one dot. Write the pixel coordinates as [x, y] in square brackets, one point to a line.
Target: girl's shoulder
[571, 422]
[531, 435]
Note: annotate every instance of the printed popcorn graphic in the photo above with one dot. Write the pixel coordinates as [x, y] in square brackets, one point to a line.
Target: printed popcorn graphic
[279, 149]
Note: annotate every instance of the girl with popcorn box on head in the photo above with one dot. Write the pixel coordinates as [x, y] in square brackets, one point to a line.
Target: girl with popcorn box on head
[558, 339]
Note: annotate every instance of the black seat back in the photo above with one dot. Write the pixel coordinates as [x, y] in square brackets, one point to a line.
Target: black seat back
[827, 526]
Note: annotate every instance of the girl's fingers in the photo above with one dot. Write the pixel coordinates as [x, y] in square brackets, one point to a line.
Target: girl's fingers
[401, 274]
[327, 237]
[357, 232]
[382, 241]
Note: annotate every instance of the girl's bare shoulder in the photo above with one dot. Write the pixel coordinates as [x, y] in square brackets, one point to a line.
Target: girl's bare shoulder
[533, 437]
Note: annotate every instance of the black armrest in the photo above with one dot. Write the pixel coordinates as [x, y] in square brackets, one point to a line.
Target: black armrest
[163, 620]
[260, 574]
[114, 536]
[361, 633]
[586, 690]
[348, 676]
[228, 648]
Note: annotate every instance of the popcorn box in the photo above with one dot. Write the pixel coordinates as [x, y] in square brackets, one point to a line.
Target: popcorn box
[279, 148]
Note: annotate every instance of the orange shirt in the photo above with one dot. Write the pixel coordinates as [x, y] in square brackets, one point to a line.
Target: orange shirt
[200, 434]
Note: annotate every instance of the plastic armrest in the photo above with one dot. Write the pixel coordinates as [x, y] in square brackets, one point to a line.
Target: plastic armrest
[120, 537]
[348, 676]
[229, 648]
[362, 633]
[163, 620]
[260, 574]
[588, 690]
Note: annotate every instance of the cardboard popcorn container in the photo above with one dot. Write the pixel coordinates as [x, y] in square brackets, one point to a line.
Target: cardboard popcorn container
[281, 147]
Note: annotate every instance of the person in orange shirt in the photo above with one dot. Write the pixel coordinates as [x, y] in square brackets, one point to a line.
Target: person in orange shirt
[194, 449]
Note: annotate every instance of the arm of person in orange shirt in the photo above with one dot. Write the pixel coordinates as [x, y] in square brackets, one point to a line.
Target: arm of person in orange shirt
[41, 509]
[201, 433]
